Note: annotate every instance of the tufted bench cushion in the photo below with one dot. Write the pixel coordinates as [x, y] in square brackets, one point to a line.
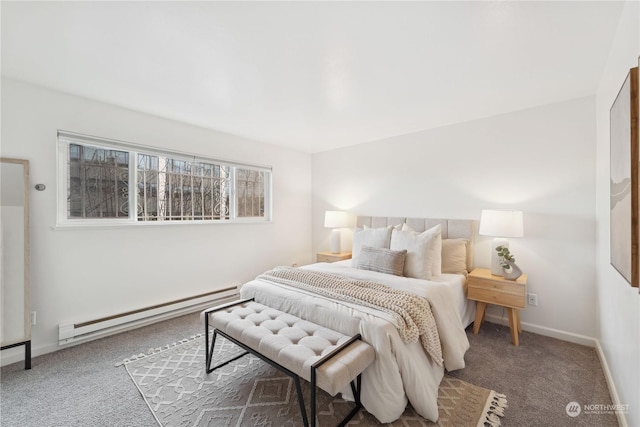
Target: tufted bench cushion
[294, 343]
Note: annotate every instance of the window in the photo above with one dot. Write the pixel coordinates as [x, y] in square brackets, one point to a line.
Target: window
[250, 189]
[172, 189]
[98, 185]
[110, 182]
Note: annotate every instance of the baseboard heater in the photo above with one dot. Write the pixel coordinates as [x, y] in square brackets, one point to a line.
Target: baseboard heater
[75, 332]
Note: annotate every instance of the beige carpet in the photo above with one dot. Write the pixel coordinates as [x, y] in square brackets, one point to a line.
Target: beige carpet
[249, 392]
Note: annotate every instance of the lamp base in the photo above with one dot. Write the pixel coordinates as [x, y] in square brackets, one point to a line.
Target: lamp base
[335, 241]
[496, 268]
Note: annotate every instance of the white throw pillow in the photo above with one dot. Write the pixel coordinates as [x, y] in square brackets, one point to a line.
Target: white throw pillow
[373, 237]
[436, 248]
[424, 251]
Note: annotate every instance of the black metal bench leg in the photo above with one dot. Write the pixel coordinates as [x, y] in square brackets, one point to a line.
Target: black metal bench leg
[356, 390]
[303, 411]
[207, 360]
[356, 396]
[313, 397]
[356, 386]
[210, 350]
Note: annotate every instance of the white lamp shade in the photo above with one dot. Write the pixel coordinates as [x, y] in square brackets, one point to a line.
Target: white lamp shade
[337, 219]
[501, 223]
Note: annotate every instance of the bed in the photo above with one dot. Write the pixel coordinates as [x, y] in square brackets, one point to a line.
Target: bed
[403, 372]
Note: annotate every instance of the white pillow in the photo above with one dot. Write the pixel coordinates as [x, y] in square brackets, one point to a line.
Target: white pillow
[424, 251]
[373, 237]
[397, 227]
[436, 254]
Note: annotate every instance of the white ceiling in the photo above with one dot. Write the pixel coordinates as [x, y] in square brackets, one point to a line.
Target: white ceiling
[312, 76]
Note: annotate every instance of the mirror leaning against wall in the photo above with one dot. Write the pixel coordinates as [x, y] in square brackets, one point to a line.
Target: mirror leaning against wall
[15, 289]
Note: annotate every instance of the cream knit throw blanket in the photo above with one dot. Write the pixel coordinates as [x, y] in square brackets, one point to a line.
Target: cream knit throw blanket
[412, 313]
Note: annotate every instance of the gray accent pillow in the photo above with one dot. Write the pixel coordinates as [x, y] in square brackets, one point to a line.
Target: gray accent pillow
[381, 260]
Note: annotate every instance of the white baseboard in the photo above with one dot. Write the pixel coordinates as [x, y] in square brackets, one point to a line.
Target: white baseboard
[576, 339]
[547, 332]
[615, 399]
[14, 355]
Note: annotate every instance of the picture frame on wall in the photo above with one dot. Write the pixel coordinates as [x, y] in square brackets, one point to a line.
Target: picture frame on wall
[624, 168]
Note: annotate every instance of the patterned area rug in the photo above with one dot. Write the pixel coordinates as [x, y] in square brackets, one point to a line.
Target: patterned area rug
[249, 392]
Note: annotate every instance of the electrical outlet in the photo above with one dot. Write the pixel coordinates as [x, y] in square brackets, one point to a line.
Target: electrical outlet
[532, 299]
[33, 318]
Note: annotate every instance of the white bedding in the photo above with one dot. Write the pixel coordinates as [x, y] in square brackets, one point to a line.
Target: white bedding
[401, 371]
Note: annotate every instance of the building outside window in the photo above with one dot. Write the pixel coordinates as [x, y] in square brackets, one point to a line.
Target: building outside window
[105, 182]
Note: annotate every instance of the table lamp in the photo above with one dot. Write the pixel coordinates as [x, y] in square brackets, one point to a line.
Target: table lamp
[500, 224]
[336, 220]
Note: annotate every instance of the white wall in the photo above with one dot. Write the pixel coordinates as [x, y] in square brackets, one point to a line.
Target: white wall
[618, 304]
[83, 274]
[540, 160]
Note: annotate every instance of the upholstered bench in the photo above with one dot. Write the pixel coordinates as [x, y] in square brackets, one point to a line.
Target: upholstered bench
[301, 349]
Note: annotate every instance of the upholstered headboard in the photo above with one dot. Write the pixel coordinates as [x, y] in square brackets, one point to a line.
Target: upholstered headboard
[451, 228]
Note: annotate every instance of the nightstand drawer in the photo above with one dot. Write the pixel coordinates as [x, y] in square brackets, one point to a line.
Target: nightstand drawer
[505, 294]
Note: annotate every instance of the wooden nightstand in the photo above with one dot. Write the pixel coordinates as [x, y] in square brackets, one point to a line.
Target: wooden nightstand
[485, 288]
[331, 257]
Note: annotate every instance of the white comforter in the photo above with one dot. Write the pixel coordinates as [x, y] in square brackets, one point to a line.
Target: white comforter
[401, 371]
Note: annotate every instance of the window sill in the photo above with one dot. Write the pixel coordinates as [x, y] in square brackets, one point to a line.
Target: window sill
[112, 225]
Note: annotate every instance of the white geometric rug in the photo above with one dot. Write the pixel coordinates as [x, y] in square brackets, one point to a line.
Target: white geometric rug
[249, 392]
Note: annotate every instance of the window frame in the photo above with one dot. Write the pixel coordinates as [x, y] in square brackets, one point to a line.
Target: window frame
[65, 139]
